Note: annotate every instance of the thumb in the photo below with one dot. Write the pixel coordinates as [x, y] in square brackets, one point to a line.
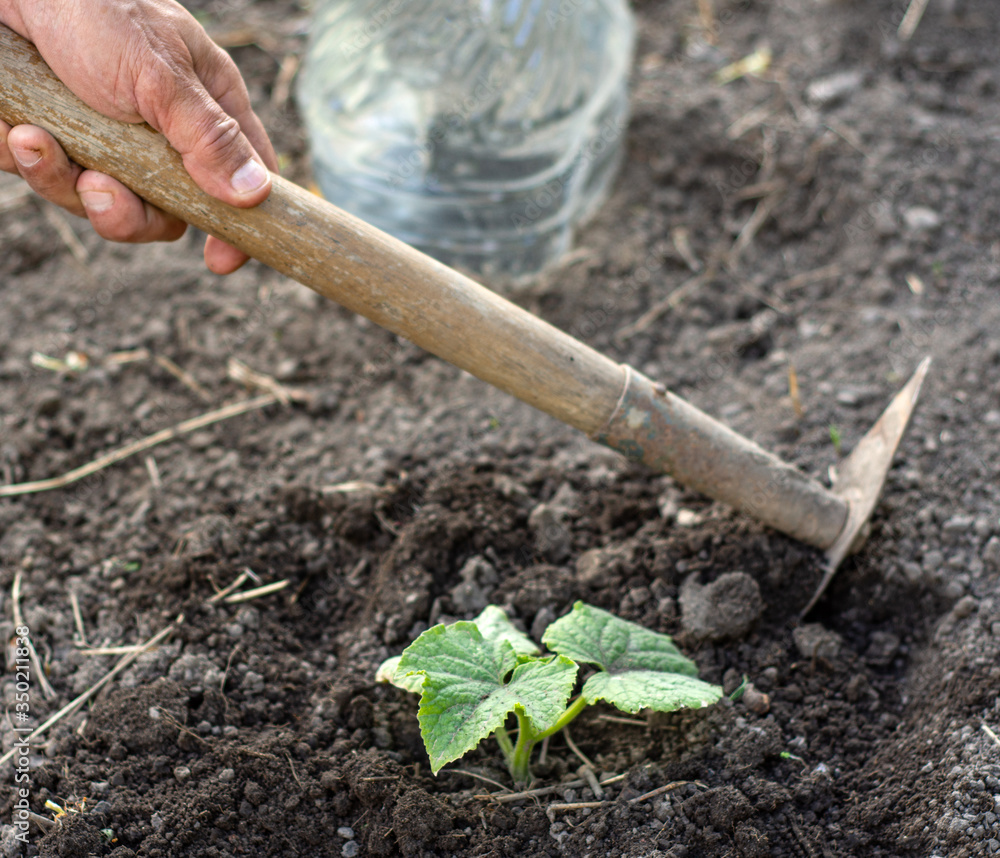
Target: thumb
[215, 151]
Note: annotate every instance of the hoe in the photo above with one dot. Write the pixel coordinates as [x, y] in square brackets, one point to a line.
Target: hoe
[449, 315]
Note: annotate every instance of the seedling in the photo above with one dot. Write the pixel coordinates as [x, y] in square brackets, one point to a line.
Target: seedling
[471, 675]
[836, 438]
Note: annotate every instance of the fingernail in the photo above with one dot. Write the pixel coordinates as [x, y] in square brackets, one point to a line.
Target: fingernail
[252, 176]
[27, 157]
[97, 201]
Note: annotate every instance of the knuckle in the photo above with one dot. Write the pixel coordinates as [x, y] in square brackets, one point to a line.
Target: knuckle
[55, 182]
[49, 183]
[219, 139]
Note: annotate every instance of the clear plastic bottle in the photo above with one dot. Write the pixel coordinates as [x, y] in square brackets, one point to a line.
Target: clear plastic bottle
[480, 131]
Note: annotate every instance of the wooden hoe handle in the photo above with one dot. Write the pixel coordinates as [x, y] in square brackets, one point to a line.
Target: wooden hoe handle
[330, 251]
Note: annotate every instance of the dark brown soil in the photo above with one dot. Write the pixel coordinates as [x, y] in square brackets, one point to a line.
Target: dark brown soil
[257, 728]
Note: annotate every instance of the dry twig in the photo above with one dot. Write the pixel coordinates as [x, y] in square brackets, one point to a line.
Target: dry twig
[793, 391]
[807, 278]
[112, 650]
[706, 15]
[573, 747]
[129, 356]
[43, 822]
[574, 805]
[588, 775]
[139, 446]
[240, 372]
[291, 765]
[36, 663]
[225, 591]
[652, 315]
[478, 777]
[911, 20]
[77, 702]
[81, 636]
[154, 472]
[756, 116]
[258, 592]
[352, 486]
[184, 377]
[758, 190]
[618, 719]
[548, 790]
[283, 82]
[753, 225]
[681, 237]
[660, 790]
[65, 232]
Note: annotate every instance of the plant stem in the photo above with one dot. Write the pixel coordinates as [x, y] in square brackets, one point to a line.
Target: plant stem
[574, 709]
[520, 760]
[518, 757]
[503, 740]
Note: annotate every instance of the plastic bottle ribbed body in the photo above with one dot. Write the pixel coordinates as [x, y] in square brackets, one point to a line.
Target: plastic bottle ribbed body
[480, 131]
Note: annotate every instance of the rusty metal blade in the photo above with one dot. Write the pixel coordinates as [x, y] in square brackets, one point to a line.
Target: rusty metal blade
[860, 477]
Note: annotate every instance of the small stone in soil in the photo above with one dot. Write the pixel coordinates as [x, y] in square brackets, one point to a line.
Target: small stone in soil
[552, 536]
[920, 218]
[756, 701]
[726, 608]
[599, 566]
[964, 607]
[812, 640]
[882, 649]
[687, 518]
[543, 619]
[991, 553]
[472, 594]
[827, 91]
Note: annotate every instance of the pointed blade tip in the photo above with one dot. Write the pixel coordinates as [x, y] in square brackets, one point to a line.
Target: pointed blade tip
[870, 492]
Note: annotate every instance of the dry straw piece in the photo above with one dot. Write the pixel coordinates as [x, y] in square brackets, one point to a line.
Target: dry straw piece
[77, 702]
[139, 446]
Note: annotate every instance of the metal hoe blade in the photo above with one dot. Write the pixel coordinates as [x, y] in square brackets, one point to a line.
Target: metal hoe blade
[860, 477]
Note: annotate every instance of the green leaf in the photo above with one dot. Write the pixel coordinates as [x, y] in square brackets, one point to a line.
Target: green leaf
[389, 672]
[633, 690]
[495, 625]
[464, 698]
[588, 634]
[642, 668]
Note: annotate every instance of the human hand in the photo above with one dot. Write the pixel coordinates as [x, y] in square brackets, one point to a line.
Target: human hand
[143, 61]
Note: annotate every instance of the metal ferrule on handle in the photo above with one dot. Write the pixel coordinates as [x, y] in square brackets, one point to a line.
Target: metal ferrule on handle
[653, 426]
